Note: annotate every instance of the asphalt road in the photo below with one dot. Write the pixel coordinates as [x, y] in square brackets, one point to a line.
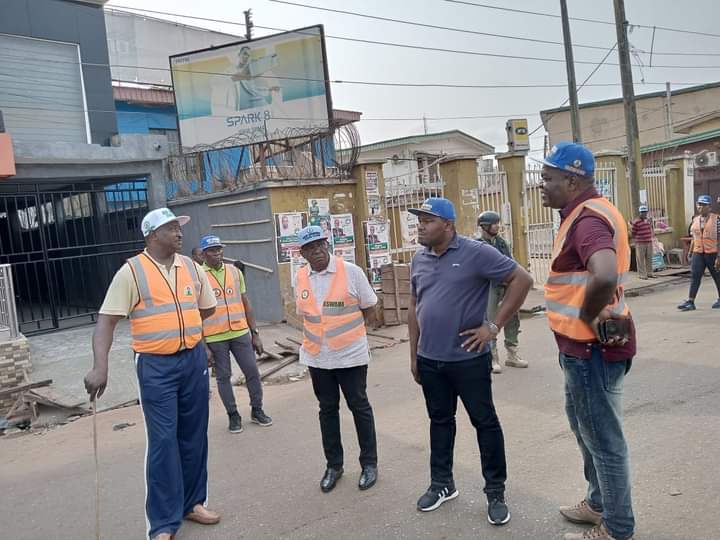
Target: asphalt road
[265, 480]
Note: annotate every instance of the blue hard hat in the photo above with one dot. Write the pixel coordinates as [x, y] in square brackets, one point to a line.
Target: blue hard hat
[310, 234]
[704, 199]
[209, 241]
[436, 206]
[571, 157]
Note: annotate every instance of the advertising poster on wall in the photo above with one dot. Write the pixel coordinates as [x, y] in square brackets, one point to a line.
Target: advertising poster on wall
[287, 225]
[377, 235]
[319, 212]
[371, 183]
[296, 263]
[265, 89]
[409, 229]
[346, 253]
[376, 263]
[342, 230]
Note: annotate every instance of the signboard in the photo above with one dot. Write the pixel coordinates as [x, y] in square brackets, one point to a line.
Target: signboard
[287, 226]
[253, 91]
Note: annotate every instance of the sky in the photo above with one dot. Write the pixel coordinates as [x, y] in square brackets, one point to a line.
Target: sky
[382, 107]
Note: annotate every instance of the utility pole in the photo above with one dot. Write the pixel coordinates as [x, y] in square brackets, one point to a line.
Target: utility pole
[634, 160]
[570, 66]
[668, 112]
[248, 24]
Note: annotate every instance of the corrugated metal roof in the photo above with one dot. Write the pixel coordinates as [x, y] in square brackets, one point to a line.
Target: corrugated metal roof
[150, 96]
[673, 143]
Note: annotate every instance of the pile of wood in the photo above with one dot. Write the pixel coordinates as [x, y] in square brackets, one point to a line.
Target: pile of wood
[396, 293]
[32, 397]
[270, 362]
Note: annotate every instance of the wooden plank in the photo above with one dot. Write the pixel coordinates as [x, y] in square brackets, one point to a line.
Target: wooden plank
[293, 340]
[396, 301]
[236, 201]
[22, 387]
[388, 286]
[291, 348]
[402, 270]
[242, 224]
[396, 290]
[251, 265]
[391, 318]
[286, 362]
[258, 241]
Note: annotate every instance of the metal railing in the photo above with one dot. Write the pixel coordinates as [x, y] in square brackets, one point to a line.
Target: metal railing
[8, 311]
[656, 187]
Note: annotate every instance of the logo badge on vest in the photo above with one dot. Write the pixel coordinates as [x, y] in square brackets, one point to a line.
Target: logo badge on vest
[188, 291]
[218, 292]
[305, 294]
[229, 291]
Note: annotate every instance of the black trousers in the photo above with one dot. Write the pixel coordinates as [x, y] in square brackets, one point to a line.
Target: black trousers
[698, 264]
[442, 384]
[327, 384]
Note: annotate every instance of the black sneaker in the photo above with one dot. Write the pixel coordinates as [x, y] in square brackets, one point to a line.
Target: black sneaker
[498, 513]
[235, 424]
[259, 417]
[435, 496]
[687, 305]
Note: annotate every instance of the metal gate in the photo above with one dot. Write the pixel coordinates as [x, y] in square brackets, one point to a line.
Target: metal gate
[64, 243]
[542, 223]
[492, 194]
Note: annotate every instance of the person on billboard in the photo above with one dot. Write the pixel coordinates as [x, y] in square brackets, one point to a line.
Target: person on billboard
[337, 229]
[372, 237]
[248, 93]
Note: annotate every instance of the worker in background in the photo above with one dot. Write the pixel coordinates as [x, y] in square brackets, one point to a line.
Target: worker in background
[595, 334]
[705, 232]
[166, 296]
[232, 329]
[642, 234]
[489, 224]
[333, 297]
[197, 255]
[450, 338]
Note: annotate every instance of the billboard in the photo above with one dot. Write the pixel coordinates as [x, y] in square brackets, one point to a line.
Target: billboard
[266, 89]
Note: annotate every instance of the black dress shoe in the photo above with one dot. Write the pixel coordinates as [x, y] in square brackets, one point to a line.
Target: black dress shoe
[368, 477]
[330, 478]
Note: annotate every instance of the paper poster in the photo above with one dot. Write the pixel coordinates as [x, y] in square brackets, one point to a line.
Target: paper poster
[371, 182]
[409, 229]
[287, 226]
[376, 263]
[317, 208]
[377, 236]
[374, 205]
[346, 253]
[342, 229]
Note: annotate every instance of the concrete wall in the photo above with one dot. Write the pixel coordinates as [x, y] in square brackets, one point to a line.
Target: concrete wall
[263, 288]
[71, 22]
[603, 126]
[294, 198]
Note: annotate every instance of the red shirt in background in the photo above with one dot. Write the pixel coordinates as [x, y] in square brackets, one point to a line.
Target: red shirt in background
[589, 234]
[642, 231]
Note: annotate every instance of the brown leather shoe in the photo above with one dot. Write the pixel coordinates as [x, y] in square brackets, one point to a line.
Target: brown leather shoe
[581, 513]
[202, 515]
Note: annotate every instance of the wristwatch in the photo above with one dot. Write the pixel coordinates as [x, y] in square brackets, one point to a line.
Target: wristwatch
[493, 327]
[255, 331]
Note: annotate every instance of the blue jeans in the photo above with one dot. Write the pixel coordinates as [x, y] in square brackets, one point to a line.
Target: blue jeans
[593, 403]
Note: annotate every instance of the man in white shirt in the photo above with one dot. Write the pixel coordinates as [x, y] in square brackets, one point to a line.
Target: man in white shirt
[334, 297]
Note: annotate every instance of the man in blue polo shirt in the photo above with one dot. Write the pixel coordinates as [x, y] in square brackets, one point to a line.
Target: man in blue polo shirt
[449, 346]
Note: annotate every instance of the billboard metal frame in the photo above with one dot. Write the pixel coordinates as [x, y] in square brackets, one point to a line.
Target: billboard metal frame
[326, 74]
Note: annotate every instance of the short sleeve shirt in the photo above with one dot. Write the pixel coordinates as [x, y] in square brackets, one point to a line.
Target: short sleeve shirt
[357, 354]
[122, 296]
[451, 292]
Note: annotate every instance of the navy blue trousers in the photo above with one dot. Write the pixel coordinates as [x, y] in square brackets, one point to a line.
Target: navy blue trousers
[174, 398]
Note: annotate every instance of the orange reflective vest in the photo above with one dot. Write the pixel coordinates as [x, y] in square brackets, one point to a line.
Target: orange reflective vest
[230, 311]
[340, 321]
[165, 321]
[705, 239]
[565, 291]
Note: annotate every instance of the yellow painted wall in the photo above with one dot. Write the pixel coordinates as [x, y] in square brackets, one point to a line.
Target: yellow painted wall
[459, 175]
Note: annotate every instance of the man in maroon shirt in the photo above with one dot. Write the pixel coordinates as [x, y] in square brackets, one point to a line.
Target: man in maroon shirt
[642, 233]
[594, 371]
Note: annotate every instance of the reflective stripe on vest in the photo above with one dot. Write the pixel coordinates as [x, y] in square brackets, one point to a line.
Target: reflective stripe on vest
[165, 320]
[340, 321]
[230, 311]
[565, 291]
[705, 239]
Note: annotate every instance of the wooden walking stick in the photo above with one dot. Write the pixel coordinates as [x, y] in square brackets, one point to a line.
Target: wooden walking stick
[97, 471]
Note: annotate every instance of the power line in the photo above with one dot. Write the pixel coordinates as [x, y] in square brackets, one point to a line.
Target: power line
[417, 47]
[475, 32]
[596, 21]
